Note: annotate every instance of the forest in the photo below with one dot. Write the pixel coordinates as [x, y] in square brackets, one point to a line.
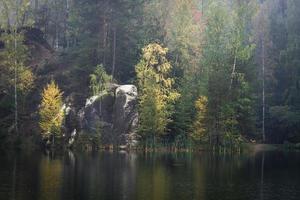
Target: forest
[207, 72]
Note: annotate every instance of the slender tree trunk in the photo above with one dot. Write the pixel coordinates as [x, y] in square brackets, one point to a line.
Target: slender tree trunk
[56, 36]
[15, 83]
[16, 69]
[233, 71]
[56, 26]
[104, 40]
[263, 90]
[114, 53]
[7, 14]
[36, 7]
[100, 106]
[66, 23]
[263, 76]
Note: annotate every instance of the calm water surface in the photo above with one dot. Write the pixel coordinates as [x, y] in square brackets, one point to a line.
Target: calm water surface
[97, 176]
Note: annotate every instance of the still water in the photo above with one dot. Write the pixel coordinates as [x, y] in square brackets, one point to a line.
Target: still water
[97, 176]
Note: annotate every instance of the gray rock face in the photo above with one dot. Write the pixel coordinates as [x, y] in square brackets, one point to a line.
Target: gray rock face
[113, 114]
[96, 116]
[125, 115]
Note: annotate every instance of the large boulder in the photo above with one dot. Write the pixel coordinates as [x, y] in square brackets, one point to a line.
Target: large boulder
[113, 114]
[96, 116]
[125, 115]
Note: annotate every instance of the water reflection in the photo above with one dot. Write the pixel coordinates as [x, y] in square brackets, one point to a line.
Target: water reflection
[50, 178]
[262, 176]
[14, 179]
[270, 175]
[199, 180]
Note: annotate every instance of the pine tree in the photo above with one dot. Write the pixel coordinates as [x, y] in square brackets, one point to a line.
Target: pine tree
[199, 128]
[184, 39]
[285, 111]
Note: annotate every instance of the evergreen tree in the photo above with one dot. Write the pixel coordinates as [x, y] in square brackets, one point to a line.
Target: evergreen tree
[184, 39]
[199, 128]
[285, 111]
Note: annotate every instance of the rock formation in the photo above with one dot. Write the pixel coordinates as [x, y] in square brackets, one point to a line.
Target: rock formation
[125, 115]
[113, 114]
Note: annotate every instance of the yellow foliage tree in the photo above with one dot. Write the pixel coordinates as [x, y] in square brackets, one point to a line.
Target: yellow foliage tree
[199, 126]
[156, 93]
[51, 112]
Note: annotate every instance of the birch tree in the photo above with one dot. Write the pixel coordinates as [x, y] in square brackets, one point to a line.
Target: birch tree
[15, 52]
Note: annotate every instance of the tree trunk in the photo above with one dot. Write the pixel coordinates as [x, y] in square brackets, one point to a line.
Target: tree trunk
[36, 7]
[56, 42]
[15, 84]
[16, 70]
[233, 72]
[263, 82]
[263, 90]
[7, 15]
[104, 40]
[114, 53]
[66, 24]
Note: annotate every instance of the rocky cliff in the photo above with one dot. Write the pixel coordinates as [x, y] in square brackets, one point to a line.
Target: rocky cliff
[111, 114]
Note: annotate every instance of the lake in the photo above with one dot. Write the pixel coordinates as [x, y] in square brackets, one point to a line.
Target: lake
[170, 176]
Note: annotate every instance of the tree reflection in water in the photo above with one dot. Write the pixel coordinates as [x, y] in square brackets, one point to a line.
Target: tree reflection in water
[50, 178]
